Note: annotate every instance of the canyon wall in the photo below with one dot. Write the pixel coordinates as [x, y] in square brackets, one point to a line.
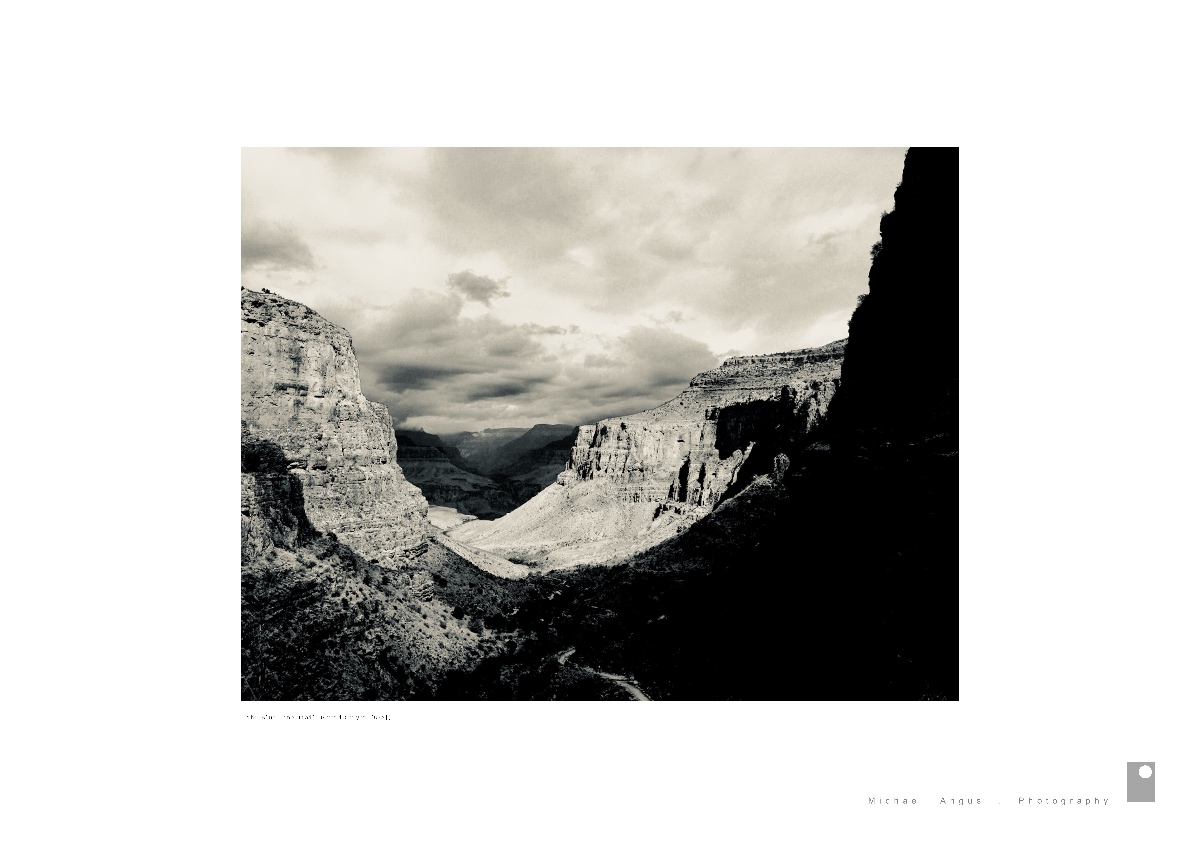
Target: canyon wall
[691, 449]
[635, 480]
[301, 394]
[913, 295]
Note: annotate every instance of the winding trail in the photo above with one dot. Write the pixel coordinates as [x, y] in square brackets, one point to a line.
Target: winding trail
[624, 682]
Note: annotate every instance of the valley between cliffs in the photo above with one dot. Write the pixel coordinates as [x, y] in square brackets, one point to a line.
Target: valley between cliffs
[635, 481]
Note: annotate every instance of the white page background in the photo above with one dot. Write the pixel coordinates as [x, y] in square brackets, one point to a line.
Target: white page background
[1078, 630]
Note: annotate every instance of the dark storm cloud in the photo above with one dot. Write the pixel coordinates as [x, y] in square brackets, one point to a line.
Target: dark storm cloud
[426, 358]
[477, 287]
[429, 361]
[273, 246]
[416, 376]
[492, 390]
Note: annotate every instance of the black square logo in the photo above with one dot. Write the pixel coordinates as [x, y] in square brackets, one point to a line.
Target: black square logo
[1139, 781]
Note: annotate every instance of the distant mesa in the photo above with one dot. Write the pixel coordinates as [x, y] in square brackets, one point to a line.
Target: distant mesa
[488, 473]
[494, 450]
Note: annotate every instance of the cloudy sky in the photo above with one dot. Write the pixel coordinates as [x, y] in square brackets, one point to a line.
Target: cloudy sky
[505, 288]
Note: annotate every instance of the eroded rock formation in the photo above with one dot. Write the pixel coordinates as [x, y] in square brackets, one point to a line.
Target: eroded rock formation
[301, 394]
[691, 449]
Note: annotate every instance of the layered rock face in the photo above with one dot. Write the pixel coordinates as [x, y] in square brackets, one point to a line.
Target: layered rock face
[636, 480]
[691, 449]
[301, 393]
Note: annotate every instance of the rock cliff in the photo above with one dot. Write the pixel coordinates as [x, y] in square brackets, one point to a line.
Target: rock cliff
[301, 393]
[913, 295]
[635, 480]
[272, 501]
[691, 449]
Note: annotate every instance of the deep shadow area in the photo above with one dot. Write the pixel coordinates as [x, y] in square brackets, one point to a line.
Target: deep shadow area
[754, 421]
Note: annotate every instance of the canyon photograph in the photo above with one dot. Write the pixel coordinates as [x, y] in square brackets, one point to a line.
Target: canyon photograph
[599, 424]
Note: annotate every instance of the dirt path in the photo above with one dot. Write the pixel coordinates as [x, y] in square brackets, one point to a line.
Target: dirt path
[624, 682]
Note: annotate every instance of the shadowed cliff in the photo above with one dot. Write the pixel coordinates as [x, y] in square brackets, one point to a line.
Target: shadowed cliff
[900, 374]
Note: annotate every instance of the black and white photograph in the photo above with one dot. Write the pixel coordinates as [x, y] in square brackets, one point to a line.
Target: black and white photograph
[599, 424]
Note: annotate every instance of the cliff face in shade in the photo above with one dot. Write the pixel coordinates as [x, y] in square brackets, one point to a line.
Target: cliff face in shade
[272, 501]
[479, 449]
[301, 393]
[526, 474]
[913, 300]
[445, 484]
[636, 480]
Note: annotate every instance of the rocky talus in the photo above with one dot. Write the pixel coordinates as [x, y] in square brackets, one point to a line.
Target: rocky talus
[301, 394]
[636, 480]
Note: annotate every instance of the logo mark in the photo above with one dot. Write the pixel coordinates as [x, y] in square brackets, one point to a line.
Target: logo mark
[1139, 781]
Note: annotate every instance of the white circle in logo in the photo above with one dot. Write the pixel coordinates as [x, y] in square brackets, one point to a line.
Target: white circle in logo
[1145, 771]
